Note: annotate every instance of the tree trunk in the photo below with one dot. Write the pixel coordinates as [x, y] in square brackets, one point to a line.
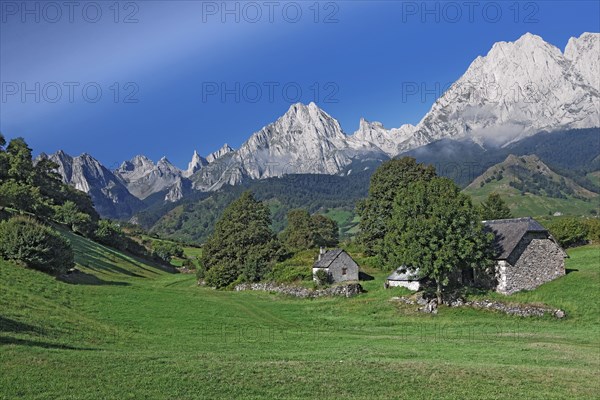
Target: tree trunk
[439, 292]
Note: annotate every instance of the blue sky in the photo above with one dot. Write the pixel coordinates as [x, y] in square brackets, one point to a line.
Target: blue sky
[165, 78]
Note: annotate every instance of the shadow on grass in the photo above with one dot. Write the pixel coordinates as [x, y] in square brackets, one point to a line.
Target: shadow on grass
[81, 278]
[569, 270]
[10, 325]
[95, 256]
[4, 340]
[363, 276]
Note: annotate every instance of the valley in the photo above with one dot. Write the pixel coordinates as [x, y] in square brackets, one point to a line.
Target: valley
[453, 257]
[146, 332]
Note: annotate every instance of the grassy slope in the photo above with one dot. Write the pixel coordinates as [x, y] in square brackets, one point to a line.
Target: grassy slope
[529, 204]
[346, 220]
[158, 335]
[594, 177]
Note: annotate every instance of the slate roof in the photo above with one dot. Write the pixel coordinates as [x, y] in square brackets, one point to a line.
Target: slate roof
[328, 258]
[403, 274]
[509, 233]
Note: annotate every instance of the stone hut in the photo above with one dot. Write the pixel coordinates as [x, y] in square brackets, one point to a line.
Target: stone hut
[526, 254]
[338, 264]
[405, 278]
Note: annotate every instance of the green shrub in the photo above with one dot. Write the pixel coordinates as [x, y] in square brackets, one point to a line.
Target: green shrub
[290, 273]
[37, 246]
[221, 276]
[593, 228]
[569, 232]
[189, 263]
[255, 270]
[323, 277]
[164, 251]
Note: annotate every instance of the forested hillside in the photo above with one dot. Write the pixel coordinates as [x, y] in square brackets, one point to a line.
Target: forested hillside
[192, 219]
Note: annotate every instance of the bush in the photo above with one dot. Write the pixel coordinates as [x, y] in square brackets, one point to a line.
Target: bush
[164, 251]
[290, 273]
[593, 227]
[221, 276]
[323, 277]
[255, 270]
[569, 232]
[37, 246]
[189, 263]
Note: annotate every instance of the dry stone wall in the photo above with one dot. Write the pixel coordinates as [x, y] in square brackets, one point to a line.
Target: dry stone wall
[349, 290]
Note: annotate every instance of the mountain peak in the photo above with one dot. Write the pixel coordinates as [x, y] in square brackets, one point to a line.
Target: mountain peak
[519, 88]
[583, 54]
[225, 149]
[301, 109]
[530, 37]
[523, 46]
[195, 165]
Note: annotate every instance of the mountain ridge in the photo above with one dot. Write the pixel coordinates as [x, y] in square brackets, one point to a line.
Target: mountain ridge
[308, 140]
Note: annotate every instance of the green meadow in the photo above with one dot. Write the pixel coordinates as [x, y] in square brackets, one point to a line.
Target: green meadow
[523, 205]
[139, 331]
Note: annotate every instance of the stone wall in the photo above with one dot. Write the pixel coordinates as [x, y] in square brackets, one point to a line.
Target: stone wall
[535, 261]
[522, 310]
[349, 290]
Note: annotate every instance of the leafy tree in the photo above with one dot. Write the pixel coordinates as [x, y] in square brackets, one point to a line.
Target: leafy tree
[37, 246]
[593, 228]
[47, 179]
[20, 161]
[69, 214]
[254, 270]
[242, 239]
[3, 159]
[326, 231]
[569, 232]
[494, 208]
[435, 228]
[390, 180]
[299, 233]
[165, 250]
[109, 233]
[82, 200]
[304, 231]
[19, 195]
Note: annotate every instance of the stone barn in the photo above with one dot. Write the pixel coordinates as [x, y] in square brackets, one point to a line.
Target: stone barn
[338, 264]
[403, 277]
[526, 254]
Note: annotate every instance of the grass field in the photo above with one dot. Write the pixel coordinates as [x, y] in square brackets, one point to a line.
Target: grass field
[145, 333]
[346, 220]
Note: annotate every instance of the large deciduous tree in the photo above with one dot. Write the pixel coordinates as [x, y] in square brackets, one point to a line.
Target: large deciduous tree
[390, 180]
[435, 228]
[326, 231]
[304, 231]
[298, 234]
[242, 245]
